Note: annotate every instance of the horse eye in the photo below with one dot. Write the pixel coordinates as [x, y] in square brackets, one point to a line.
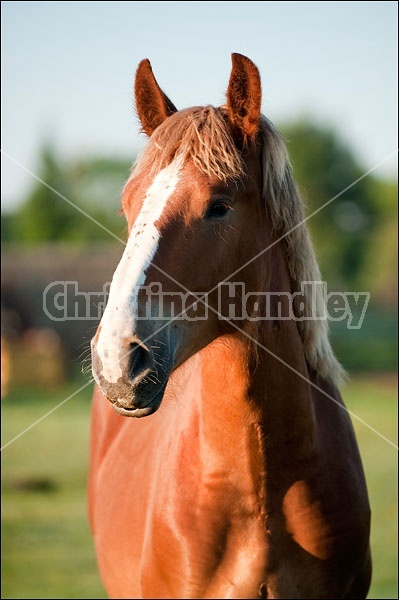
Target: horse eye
[218, 210]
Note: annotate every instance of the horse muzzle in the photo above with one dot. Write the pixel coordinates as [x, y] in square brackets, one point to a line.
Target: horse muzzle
[139, 390]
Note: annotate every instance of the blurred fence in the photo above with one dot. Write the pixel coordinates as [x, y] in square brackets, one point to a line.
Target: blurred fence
[38, 348]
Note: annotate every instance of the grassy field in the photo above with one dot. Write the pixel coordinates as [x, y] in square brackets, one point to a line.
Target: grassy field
[47, 550]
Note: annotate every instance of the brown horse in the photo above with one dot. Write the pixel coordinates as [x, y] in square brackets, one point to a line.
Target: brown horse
[247, 482]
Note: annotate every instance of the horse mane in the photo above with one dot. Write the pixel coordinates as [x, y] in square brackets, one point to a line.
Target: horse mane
[285, 206]
[202, 135]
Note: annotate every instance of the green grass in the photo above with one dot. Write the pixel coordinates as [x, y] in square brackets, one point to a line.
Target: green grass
[374, 400]
[47, 549]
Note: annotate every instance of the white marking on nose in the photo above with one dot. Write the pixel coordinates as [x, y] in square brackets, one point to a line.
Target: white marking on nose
[118, 318]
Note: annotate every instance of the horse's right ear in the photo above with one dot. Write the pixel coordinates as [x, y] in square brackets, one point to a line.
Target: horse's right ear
[152, 105]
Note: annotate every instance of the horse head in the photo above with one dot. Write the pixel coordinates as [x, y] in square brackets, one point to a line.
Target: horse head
[208, 194]
[190, 204]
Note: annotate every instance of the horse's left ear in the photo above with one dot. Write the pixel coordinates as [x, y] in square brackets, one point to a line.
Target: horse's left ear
[153, 106]
[244, 96]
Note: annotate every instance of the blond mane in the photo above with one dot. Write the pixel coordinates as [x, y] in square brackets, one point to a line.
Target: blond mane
[201, 134]
[287, 212]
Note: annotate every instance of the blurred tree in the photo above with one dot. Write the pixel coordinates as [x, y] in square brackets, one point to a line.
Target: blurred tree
[45, 215]
[8, 227]
[380, 268]
[324, 167]
[94, 185]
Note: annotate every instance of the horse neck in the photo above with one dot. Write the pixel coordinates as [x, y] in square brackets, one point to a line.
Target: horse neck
[256, 399]
[280, 381]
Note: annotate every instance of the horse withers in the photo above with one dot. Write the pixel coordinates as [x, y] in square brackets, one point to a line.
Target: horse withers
[244, 479]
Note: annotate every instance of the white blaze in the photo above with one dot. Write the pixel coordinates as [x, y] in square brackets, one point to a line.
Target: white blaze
[118, 318]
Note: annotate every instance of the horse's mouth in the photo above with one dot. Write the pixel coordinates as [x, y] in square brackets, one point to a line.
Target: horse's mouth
[133, 412]
[141, 411]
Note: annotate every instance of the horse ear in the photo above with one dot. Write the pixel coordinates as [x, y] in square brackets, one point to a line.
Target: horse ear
[244, 96]
[153, 106]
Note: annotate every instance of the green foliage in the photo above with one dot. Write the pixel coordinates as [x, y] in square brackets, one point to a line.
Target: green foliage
[380, 269]
[51, 212]
[324, 167]
[8, 227]
[46, 216]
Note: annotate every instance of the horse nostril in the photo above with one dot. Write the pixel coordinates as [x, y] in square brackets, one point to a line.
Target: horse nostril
[139, 360]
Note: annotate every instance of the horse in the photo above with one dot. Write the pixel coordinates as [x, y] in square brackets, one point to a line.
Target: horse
[223, 461]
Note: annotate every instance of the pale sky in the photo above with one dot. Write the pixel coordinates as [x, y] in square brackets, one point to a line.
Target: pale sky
[68, 71]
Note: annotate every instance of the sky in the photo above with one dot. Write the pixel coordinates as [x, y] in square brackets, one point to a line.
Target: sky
[68, 71]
